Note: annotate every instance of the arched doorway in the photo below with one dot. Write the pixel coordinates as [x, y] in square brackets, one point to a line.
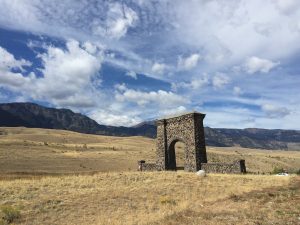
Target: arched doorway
[176, 155]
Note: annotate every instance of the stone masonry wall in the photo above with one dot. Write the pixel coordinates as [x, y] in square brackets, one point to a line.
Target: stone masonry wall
[236, 167]
[143, 166]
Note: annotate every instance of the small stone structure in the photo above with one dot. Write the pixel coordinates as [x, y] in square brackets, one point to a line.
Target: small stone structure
[187, 128]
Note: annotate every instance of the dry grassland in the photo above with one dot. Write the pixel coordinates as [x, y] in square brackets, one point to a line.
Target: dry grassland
[123, 196]
[154, 198]
[39, 151]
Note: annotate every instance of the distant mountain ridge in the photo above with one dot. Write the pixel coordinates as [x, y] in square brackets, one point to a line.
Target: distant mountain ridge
[36, 116]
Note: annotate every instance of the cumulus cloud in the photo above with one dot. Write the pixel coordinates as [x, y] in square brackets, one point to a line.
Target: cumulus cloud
[120, 17]
[108, 117]
[194, 84]
[9, 78]
[220, 80]
[255, 64]
[8, 61]
[189, 62]
[274, 111]
[158, 68]
[160, 97]
[67, 75]
[173, 111]
[132, 74]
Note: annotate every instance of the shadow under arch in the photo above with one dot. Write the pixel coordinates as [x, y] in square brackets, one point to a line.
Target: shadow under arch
[171, 163]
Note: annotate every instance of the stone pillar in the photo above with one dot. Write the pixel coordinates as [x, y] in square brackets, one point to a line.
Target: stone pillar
[200, 146]
[161, 144]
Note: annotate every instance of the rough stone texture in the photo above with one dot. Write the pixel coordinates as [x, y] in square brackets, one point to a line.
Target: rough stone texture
[236, 167]
[147, 166]
[187, 128]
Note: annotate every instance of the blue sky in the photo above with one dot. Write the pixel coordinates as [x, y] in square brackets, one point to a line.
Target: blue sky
[123, 62]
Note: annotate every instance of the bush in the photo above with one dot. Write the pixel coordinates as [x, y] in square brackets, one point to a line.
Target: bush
[298, 172]
[277, 170]
[10, 214]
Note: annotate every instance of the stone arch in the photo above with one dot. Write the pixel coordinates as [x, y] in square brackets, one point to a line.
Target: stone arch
[188, 128]
[171, 162]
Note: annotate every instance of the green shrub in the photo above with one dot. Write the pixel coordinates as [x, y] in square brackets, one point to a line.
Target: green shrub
[298, 172]
[10, 214]
[277, 170]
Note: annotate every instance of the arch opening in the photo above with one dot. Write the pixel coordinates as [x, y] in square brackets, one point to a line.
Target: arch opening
[177, 155]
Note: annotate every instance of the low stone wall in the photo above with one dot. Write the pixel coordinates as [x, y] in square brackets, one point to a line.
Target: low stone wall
[235, 167]
[143, 166]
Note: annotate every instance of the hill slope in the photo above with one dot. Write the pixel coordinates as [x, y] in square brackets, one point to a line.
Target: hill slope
[36, 116]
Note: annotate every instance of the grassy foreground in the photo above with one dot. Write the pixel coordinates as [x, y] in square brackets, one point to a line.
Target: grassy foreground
[154, 198]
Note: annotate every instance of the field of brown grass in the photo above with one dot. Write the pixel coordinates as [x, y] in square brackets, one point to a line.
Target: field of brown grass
[106, 189]
[154, 198]
[24, 150]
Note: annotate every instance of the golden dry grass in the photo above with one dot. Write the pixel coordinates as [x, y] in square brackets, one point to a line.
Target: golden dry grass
[24, 150]
[153, 198]
[134, 197]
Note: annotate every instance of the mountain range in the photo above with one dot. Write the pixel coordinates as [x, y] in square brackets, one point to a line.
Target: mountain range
[36, 116]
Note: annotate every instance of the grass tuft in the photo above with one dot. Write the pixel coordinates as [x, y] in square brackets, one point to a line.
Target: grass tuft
[10, 214]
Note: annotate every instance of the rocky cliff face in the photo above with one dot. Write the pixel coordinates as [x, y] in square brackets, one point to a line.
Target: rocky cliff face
[33, 115]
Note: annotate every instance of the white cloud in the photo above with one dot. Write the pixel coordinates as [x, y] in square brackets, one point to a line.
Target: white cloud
[111, 118]
[159, 98]
[119, 19]
[90, 48]
[158, 68]
[173, 111]
[287, 6]
[265, 28]
[237, 90]
[220, 80]
[194, 84]
[8, 61]
[255, 64]
[9, 78]
[132, 74]
[274, 111]
[67, 76]
[189, 62]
